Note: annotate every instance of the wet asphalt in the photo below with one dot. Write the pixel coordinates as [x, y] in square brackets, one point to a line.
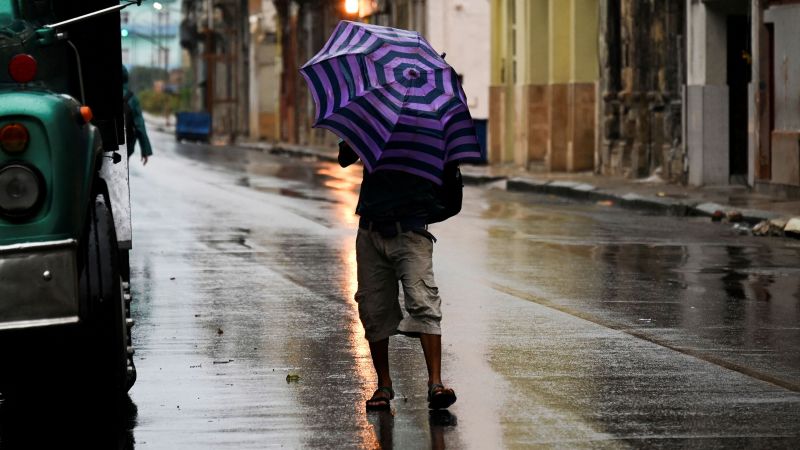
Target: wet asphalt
[566, 324]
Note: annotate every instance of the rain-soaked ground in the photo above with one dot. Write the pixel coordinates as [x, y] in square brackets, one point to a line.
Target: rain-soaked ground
[565, 324]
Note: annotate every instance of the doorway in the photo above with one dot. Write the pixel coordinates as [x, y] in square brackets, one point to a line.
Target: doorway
[739, 75]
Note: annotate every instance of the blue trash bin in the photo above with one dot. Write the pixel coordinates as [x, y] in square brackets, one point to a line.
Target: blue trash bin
[194, 126]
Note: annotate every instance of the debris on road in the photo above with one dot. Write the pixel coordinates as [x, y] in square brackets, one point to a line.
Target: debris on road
[734, 216]
[792, 227]
[292, 378]
[742, 229]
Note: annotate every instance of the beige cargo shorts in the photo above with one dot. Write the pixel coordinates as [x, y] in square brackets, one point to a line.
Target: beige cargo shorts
[383, 263]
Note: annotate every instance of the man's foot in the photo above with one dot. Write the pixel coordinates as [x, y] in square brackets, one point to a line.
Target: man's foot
[380, 400]
[440, 397]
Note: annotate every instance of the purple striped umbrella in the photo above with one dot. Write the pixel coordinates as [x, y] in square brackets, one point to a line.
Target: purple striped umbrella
[390, 95]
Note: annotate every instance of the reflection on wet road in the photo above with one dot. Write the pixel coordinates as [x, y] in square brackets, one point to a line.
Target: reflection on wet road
[565, 324]
[729, 299]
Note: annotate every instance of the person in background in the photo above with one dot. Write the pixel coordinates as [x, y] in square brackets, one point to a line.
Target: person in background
[134, 122]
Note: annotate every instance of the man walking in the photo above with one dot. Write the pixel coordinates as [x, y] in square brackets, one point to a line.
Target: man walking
[393, 245]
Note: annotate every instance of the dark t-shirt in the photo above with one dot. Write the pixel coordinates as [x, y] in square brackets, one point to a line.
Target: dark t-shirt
[391, 195]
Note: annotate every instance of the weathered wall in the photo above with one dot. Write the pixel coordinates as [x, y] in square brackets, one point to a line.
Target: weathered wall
[642, 70]
[264, 71]
[785, 137]
[785, 20]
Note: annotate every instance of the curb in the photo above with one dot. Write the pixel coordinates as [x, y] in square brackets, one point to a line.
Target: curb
[588, 192]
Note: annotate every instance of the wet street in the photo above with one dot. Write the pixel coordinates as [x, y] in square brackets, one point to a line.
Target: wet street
[566, 324]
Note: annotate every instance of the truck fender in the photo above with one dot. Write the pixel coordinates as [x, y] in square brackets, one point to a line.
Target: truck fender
[117, 181]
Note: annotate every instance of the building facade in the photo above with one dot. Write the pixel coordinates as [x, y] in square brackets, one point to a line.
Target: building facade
[303, 28]
[283, 34]
[264, 77]
[703, 92]
[774, 98]
[215, 39]
[544, 74]
[642, 73]
[718, 75]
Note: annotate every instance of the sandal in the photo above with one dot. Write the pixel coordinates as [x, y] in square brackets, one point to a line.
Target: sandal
[380, 403]
[440, 397]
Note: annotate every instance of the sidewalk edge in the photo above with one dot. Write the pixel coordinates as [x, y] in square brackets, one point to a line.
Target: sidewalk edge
[587, 192]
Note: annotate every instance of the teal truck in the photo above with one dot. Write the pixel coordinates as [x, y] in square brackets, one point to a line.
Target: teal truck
[65, 229]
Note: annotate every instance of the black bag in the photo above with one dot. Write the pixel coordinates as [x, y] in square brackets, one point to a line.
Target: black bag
[451, 193]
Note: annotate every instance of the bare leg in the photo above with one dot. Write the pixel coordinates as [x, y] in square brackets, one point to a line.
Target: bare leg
[432, 348]
[438, 396]
[380, 360]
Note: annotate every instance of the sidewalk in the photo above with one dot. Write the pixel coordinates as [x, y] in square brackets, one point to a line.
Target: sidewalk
[736, 204]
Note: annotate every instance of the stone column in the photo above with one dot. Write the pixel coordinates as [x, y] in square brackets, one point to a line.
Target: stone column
[581, 91]
[637, 126]
[673, 79]
[534, 89]
[496, 130]
[560, 44]
[707, 95]
[608, 109]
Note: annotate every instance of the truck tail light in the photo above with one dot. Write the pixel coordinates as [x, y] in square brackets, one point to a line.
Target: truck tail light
[22, 68]
[14, 138]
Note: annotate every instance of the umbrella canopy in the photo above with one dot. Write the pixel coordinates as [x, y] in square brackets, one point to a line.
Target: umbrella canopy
[390, 95]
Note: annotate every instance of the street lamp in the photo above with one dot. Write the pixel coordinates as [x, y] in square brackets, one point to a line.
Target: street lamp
[159, 37]
[351, 6]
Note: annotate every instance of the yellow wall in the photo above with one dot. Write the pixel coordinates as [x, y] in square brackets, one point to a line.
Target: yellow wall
[584, 64]
[537, 38]
[556, 44]
[560, 40]
[556, 41]
[498, 43]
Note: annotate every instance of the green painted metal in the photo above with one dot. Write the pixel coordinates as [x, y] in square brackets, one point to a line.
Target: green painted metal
[62, 148]
[63, 152]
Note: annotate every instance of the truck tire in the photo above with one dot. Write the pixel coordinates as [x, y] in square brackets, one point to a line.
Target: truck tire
[108, 351]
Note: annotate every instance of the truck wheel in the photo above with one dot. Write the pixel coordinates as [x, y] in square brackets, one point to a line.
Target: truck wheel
[107, 332]
[130, 378]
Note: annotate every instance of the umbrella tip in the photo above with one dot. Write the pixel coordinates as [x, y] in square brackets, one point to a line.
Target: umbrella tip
[443, 55]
